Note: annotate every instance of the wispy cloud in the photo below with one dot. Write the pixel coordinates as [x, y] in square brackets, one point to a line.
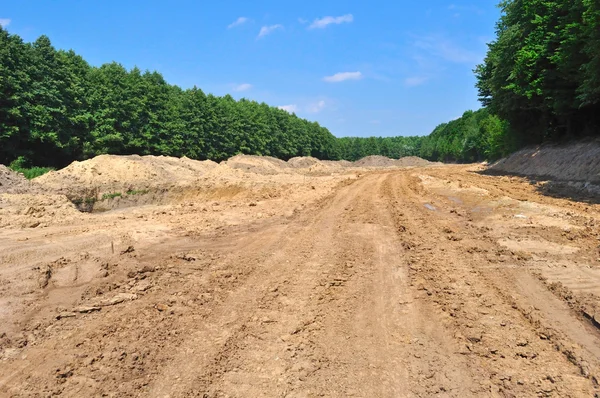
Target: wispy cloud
[242, 87]
[321, 23]
[4, 22]
[265, 30]
[238, 22]
[316, 107]
[470, 9]
[415, 81]
[292, 108]
[447, 50]
[302, 21]
[342, 76]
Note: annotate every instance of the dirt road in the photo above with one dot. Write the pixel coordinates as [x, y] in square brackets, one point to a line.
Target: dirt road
[400, 283]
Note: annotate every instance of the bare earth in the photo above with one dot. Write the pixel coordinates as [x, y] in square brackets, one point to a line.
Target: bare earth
[399, 282]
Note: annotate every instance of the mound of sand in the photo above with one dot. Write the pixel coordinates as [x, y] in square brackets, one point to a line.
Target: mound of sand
[382, 161]
[338, 163]
[121, 173]
[35, 210]
[413, 161]
[577, 162]
[11, 181]
[264, 165]
[374, 161]
[303, 162]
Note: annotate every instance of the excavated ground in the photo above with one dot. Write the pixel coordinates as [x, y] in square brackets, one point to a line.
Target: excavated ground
[415, 282]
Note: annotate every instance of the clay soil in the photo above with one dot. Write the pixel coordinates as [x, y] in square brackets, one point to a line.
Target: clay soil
[258, 279]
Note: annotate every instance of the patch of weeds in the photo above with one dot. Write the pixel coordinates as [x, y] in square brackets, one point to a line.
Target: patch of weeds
[138, 192]
[23, 166]
[111, 195]
[85, 200]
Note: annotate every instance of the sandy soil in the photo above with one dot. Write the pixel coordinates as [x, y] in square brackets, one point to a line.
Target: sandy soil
[576, 162]
[241, 282]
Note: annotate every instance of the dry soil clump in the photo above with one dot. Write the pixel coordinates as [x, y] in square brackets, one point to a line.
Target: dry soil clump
[10, 180]
[578, 162]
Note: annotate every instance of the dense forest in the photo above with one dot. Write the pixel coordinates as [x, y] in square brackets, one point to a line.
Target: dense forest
[540, 81]
[542, 73]
[56, 108]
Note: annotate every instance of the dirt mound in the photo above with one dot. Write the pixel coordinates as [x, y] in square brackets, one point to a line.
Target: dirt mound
[121, 173]
[375, 161]
[577, 162]
[264, 165]
[338, 163]
[412, 161]
[302, 162]
[35, 210]
[10, 180]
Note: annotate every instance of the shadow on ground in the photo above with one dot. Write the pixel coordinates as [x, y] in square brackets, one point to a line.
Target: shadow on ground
[579, 191]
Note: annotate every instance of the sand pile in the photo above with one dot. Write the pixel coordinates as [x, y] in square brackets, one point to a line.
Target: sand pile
[264, 165]
[413, 161]
[374, 161]
[122, 173]
[35, 210]
[303, 162]
[577, 162]
[11, 181]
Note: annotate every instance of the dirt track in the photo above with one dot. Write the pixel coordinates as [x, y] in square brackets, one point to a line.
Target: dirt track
[399, 283]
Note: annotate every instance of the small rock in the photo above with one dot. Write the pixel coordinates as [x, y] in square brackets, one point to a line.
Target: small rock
[130, 249]
[161, 307]
[119, 298]
[66, 314]
[474, 337]
[522, 343]
[142, 286]
[87, 309]
[252, 204]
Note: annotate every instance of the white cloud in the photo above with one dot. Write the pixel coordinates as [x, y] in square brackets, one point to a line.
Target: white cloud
[316, 107]
[415, 81]
[4, 22]
[448, 50]
[265, 30]
[375, 122]
[242, 87]
[292, 108]
[238, 22]
[342, 76]
[323, 22]
[302, 21]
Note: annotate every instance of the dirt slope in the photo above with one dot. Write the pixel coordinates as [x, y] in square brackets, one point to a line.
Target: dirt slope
[10, 181]
[401, 283]
[577, 162]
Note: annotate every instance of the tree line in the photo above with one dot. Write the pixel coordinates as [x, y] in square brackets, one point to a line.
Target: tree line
[540, 81]
[56, 108]
[542, 72]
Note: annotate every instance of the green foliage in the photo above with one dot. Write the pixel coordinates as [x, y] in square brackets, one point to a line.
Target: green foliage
[56, 108]
[542, 73]
[111, 195]
[132, 192]
[475, 136]
[354, 148]
[23, 166]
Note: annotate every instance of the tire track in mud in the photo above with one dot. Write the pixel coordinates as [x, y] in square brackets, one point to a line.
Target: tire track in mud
[450, 265]
[366, 293]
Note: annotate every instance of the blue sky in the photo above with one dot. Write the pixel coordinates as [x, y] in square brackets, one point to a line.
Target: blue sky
[359, 68]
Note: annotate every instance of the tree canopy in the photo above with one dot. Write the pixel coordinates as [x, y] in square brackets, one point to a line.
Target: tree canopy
[542, 72]
[56, 108]
[539, 81]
